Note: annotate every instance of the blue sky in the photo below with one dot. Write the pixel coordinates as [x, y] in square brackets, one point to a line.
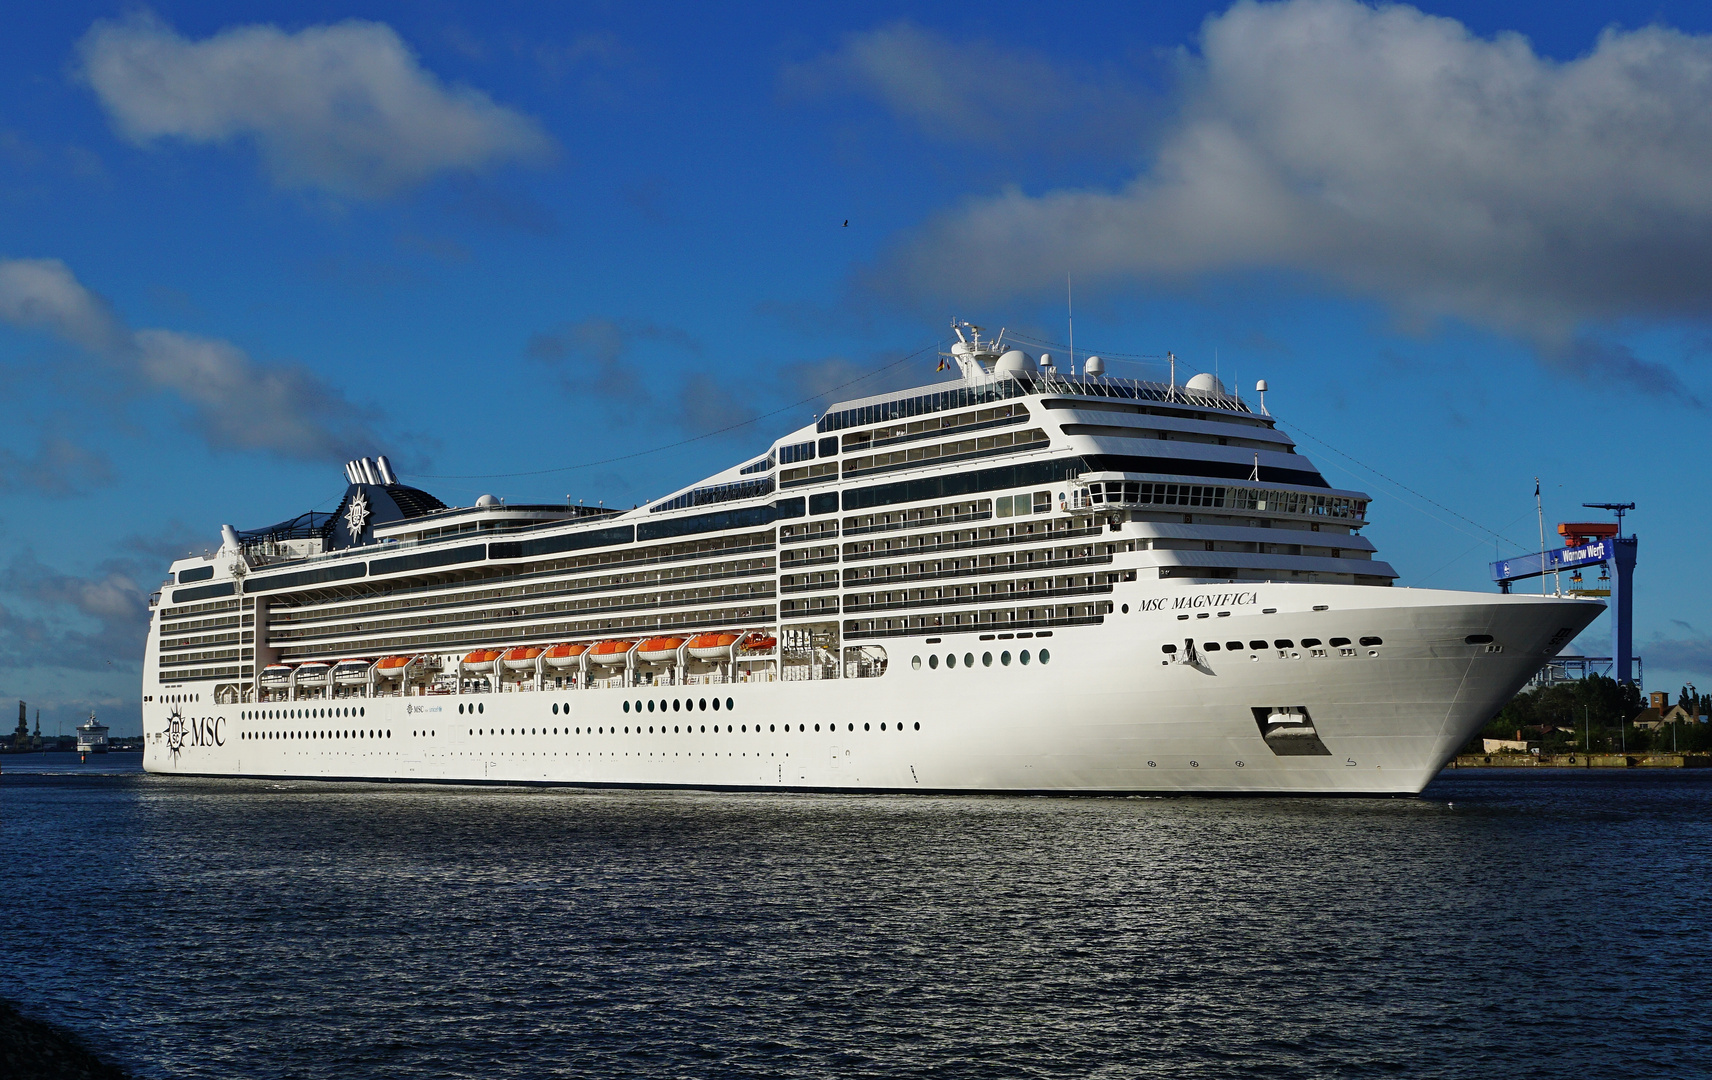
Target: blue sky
[1466, 245]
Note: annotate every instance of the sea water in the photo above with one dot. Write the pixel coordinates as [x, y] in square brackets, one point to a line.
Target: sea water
[1500, 925]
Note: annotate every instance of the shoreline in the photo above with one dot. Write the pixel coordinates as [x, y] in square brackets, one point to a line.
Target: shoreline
[1580, 760]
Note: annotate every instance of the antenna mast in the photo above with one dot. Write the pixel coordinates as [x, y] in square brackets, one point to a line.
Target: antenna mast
[1070, 310]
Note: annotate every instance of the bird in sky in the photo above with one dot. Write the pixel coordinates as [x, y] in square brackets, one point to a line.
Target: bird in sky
[846, 224]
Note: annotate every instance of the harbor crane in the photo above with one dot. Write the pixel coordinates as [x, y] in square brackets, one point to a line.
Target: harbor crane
[1585, 545]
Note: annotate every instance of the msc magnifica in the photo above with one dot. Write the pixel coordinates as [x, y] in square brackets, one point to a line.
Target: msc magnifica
[1023, 580]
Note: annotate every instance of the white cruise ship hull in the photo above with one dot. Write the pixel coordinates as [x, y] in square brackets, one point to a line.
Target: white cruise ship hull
[1110, 711]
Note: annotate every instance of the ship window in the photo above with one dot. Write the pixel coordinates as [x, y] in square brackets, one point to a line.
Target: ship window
[917, 725]
[1478, 639]
[1257, 644]
[555, 708]
[933, 662]
[1310, 642]
[968, 659]
[481, 708]
[1234, 646]
[986, 659]
[1282, 643]
[715, 704]
[727, 704]
[1372, 641]
[770, 727]
[950, 660]
[1338, 642]
[915, 662]
[650, 706]
[1005, 658]
[627, 706]
[1167, 648]
[676, 705]
[703, 704]
[1023, 656]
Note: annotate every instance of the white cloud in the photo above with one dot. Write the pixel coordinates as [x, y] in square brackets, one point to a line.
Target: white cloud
[1396, 155]
[345, 107]
[973, 91]
[43, 294]
[236, 402]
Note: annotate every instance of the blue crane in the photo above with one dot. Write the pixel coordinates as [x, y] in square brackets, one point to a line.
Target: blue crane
[1585, 545]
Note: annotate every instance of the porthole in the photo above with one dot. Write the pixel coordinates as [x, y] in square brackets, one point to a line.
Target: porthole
[627, 706]
[650, 706]
[715, 704]
[1257, 644]
[1339, 642]
[1153, 764]
[703, 704]
[1023, 657]
[1005, 658]
[1370, 641]
[770, 727]
[1478, 639]
[555, 708]
[1126, 609]
[1310, 642]
[1283, 643]
[865, 727]
[677, 705]
[363, 711]
[918, 725]
[915, 662]
[481, 708]
[986, 661]
[950, 660]
[1167, 649]
[1045, 656]
[968, 659]
[817, 727]
[727, 704]
[651, 729]
[933, 662]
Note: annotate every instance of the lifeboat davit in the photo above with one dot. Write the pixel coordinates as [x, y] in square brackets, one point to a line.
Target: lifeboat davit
[314, 673]
[712, 646]
[350, 672]
[660, 650]
[277, 674]
[757, 643]
[391, 667]
[610, 652]
[564, 656]
[522, 658]
[481, 660]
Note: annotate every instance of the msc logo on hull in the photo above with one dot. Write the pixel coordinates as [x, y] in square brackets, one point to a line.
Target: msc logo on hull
[183, 731]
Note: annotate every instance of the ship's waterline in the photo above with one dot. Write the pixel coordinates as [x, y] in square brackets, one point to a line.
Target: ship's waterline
[1021, 581]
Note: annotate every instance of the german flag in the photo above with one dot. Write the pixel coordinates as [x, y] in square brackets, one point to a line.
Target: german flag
[943, 364]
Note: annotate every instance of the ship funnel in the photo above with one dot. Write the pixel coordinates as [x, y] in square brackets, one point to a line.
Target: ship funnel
[368, 470]
[229, 538]
[352, 476]
[387, 476]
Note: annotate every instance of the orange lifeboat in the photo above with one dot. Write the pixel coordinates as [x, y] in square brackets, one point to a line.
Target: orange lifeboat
[391, 667]
[522, 658]
[712, 646]
[757, 643]
[610, 652]
[276, 674]
[660, 650]
[564, 656]
[481, 660]
[313, 673]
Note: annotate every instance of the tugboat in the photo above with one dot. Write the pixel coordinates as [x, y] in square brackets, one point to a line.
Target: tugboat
[91, 737]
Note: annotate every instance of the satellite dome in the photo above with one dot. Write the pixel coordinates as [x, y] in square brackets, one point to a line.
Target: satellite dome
[487, 500]
[1205, 383]
[1093, 366]
[1015, 362]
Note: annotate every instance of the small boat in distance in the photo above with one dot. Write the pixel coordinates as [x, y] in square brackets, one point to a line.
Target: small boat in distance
[91, 737]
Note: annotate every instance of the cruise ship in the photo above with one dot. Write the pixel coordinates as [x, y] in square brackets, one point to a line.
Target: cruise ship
[1022, 579]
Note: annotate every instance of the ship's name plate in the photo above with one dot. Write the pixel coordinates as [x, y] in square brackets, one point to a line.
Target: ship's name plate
[1199, 601]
